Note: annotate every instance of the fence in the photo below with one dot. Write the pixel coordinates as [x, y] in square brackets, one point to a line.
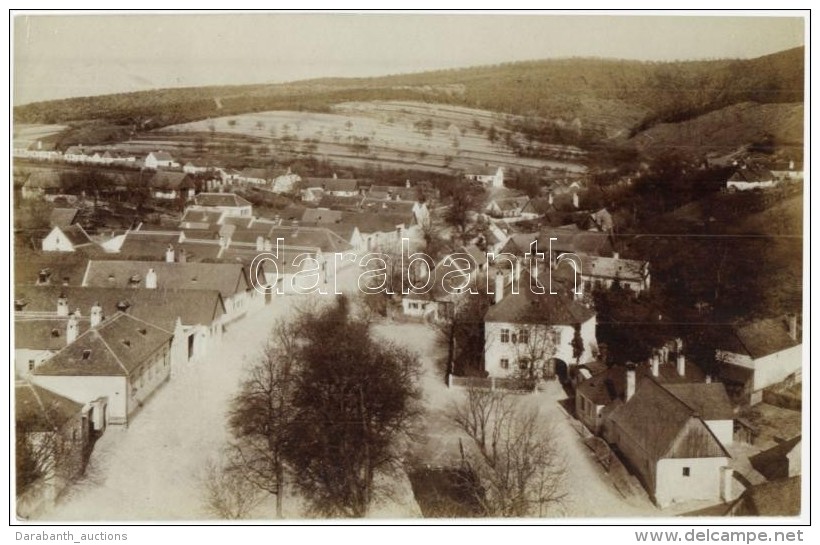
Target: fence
[492, 383]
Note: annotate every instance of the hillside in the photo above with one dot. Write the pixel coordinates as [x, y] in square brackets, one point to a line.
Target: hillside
[571, 100]
[726, 129]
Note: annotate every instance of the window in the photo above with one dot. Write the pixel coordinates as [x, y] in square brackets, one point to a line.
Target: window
[523, 336]
[505, 363]
[523, 364]
[686, 472]
[505, 336]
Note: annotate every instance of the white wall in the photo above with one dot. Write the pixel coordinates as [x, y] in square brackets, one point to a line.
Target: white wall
[703, 482]
[776, 367]
[84, 389]
[723, 430]
[22, 357]
[56, 241]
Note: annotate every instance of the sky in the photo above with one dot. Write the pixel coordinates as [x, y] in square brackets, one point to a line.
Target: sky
[60, 56]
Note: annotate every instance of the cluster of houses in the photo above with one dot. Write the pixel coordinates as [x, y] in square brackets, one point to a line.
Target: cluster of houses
[100, 325]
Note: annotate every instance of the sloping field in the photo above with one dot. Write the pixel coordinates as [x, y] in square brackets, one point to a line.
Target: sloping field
[25, 135]
[391, 134]
[727, 129]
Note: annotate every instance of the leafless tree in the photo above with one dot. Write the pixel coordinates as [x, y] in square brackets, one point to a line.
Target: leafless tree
[228, 494]
[515, 457]
[261, 413]
[535, 345]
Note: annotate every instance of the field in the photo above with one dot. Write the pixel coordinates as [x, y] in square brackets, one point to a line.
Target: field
[27, 134]
[398, 135]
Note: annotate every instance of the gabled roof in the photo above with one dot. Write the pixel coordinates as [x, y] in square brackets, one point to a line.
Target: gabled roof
[320, 216]
[43, 333]
[148, 245]
[779, 498]
[609, 385]
[394, 192]
[331, 184]
[759, 338]
[76, 235]
[309, 237]
[527, 307]
[663, 426]
[58, 268]
[709, 401]
[240, 223]
[394, 207]
[37, 409]
[610, 267]
[160, 307]
[63, 217]
[161, 156]
[773, 463]
[334, 202]
[227, 278]
[508, 204]
[166, 179]
[117, 347]
[200, 215]
[752, 175]
[220, 199]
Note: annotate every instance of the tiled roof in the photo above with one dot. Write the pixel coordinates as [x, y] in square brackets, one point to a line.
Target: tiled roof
[161, 155]
[605, 387]
[38, 409]
[63, 217]
[317, 216]
[773, 463]
[240, 223]
[526, 307]
[255, 173]
[227, 278]
[331, 184]
[171, 180]
[57, 268]
[76, 235]
[220, 199]
[510, 203]
[569, 239]
[160, 307]
[148, 245]
[709, 401]
[779, 498]
[117, 347]
[752, 175]
[43, 333]
[391, 192]
[199, 215]
[759, 338]
[334, 202]
[393, 207]
[662, 426]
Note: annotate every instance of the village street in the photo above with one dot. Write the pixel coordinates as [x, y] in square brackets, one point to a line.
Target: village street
[152, 470]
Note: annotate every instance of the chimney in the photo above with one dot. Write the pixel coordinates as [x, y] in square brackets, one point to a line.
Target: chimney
[575, 202]
[268, 247]
[616, 255]
[550, 198]
[96, 314]
[708, 379]
[407, 184]
[223, 242]
[655, 362]
[169, 254]
[792, 326]
[151, 280]
[62, 305]
[499, 287]
[681, 365]
[726, 478]
[630, 381]
[182, 257]
[791, 164]
[72, 329]
[334, 176]
[260, 243]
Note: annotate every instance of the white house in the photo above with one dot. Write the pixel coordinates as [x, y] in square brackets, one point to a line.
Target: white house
[769, 351]
[229, 203]
[747, 177]
[524, 330]
[599, 272]
[123, 360]
[66, 239]
[669, 446]
[160, 159]
[488, 178]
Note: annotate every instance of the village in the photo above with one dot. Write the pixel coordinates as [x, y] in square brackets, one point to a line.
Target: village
[114, 322]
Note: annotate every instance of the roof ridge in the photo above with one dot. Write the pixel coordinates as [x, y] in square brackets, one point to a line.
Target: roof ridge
[116, 357]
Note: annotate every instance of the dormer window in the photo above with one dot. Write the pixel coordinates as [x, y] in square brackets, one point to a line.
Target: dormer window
[142, 331]
[55, 333]
[110, 277]
[135, 279]
[86, 355]
[19, 304]
[126, 342]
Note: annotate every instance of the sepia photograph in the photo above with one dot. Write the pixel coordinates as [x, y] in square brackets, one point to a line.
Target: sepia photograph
[457, 267]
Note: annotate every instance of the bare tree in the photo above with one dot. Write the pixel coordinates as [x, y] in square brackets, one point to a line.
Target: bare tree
[535, 345]
[262, 411]
[515, 458]
[228, 494]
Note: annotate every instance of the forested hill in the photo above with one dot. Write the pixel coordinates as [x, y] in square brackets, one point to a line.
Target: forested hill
[606, 97]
